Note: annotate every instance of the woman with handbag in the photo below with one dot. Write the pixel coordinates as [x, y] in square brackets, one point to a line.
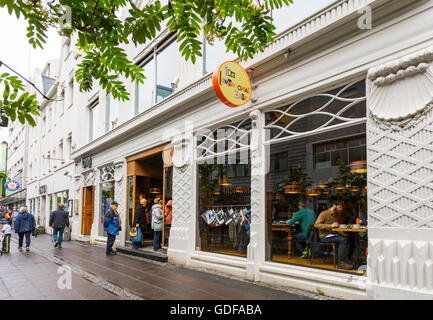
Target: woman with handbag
[157, 223]
[140, 220]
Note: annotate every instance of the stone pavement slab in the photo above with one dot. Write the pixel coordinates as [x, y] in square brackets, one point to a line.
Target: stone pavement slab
[29, 276]
[151, 280]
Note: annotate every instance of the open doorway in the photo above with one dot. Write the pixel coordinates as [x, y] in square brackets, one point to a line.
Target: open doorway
[150, 176]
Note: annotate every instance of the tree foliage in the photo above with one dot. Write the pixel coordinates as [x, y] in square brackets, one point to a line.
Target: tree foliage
[245, 25]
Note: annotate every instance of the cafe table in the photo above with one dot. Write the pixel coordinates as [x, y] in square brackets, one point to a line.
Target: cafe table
[287, 228]
[356, 232]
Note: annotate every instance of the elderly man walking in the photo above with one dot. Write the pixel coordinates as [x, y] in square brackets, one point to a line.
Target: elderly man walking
[59, 219]
[24, 225]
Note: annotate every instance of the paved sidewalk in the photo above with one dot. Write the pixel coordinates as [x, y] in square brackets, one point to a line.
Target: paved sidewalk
[154, 281]
[29, 276]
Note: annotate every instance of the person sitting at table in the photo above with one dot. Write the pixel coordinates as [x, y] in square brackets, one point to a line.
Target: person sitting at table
[305, 217]
[326, 221]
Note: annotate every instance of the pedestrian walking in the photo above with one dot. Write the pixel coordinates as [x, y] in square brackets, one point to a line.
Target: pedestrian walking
[157, 223]
[6, 233]
[24, 225]
[140, 220]
[112, 224]
[59, 219]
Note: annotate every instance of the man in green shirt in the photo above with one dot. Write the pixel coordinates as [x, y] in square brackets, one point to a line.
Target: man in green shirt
[305, 217]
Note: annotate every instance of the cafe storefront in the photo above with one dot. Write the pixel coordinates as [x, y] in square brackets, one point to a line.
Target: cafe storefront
[319, 127]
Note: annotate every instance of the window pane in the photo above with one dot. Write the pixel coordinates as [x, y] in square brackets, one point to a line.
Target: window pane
[224, 213]
[336, 155]
[216, 54]
[146, 90]
[318, 186]
[113, 112]
[166, 71]
[94, 122]
[322, 160]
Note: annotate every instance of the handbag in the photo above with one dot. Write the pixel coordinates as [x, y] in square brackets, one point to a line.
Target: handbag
[157, 226]
[137, 238]
[133, 233]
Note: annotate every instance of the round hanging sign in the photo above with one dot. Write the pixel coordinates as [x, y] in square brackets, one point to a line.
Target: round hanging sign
[232, 84]
[12, 185]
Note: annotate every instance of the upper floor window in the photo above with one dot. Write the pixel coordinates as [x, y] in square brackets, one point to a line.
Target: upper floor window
[146, 94]
[94, 131]
[166, 70]
[112, 114]
[160, 69]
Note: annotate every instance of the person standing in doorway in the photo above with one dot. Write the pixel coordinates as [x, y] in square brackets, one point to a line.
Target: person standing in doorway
[112, 224]
[24, 225]
[157, 223]
[59, 219]
[140, 219]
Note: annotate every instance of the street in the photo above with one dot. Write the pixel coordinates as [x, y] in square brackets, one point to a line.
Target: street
[35, 275]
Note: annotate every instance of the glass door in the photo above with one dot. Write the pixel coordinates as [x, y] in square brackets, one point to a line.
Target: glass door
[131, 205]
[167, 196]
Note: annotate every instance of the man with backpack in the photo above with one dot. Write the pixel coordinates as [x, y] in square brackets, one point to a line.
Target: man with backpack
[59, 219]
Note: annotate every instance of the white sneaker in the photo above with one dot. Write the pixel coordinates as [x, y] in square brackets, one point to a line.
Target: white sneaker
[27, 249]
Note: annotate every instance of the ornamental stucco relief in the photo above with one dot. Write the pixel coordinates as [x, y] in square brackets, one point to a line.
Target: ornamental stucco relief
[401, 91]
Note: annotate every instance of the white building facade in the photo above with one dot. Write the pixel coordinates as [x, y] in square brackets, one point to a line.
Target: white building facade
[369, 91]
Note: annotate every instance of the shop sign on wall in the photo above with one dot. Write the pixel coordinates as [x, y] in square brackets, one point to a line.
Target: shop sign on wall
[12, 185]
[86, 162]
[232, 84]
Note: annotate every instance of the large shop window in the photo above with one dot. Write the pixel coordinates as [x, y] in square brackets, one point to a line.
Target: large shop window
[224, 190]
[316, 187]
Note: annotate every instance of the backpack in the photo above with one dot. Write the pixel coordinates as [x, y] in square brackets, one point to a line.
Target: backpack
[313, 242]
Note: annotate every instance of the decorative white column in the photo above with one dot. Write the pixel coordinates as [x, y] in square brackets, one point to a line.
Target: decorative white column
[95, 181]
[76, 219]
[400, 178]
[256, 248]
[182, 231]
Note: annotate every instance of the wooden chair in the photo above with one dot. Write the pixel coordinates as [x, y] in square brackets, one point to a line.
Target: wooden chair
[310, 229]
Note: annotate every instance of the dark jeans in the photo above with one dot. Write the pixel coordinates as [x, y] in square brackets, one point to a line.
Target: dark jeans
[111, 238]
[6, 243]
[300, 245]
[342, 244]
[58, 235]
[157, 235]
[21, 238]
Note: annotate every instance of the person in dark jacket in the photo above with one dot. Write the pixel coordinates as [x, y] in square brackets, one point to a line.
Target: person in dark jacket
[59, 219]
[140, 219]
[112, 225]
[24, 224]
